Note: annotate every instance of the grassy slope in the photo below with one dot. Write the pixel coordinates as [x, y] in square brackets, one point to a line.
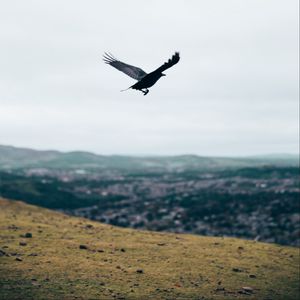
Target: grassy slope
[174, 266]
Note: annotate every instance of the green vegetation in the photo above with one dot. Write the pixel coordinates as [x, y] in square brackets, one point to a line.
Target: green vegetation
[53, 194]
[14, 158]
[254, 203]
[48, 255]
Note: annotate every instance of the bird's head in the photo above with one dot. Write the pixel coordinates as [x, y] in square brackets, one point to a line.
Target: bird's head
[162, 74]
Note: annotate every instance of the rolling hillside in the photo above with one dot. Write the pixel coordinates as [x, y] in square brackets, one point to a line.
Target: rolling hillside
[14, 158]
[48, 255]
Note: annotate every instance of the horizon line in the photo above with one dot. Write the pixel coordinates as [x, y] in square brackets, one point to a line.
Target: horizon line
[274, 154]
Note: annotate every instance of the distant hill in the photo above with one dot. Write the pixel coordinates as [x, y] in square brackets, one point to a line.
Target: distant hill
[48, 255]
[14, 158]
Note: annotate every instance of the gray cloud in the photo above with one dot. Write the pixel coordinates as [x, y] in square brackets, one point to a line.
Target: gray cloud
[234, 92]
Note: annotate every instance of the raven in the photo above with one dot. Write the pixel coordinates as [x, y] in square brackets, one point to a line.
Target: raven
[144, 80]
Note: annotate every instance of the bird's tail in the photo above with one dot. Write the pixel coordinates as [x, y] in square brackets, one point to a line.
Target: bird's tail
[126, 89]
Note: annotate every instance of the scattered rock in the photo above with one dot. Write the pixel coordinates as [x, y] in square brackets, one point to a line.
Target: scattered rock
[122, 250]
[89, 226]
[22, 244]
[83, 247]
[19, 259]
[13, 227]
[252, 276]
[2, 253]
[237, 270]
[32, 254]
[246, 290]
[26, 235]
[140, 271]
[161, 244]
[100, 250]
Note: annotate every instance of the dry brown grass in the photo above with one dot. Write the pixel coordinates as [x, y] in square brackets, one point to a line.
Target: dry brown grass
[129, 264]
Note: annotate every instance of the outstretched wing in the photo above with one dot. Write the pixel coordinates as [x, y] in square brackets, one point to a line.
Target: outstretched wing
[170, 63]
[134, 72]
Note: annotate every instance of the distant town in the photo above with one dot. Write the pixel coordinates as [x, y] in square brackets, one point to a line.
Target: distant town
[260, 203]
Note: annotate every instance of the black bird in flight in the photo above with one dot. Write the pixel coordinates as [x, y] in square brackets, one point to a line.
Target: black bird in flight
[144, 80]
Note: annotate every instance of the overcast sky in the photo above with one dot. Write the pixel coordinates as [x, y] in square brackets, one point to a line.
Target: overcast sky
[234, 91]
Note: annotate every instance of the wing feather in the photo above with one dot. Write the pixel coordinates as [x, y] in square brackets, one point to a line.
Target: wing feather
[134, 72]
[170, 63]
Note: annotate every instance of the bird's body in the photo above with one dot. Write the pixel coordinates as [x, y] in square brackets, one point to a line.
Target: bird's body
[145, 80]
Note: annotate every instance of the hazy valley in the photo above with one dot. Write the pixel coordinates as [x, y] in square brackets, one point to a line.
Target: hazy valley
[253, 198]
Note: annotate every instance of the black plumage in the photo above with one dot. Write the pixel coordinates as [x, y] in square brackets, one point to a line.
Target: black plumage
[145, 80]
